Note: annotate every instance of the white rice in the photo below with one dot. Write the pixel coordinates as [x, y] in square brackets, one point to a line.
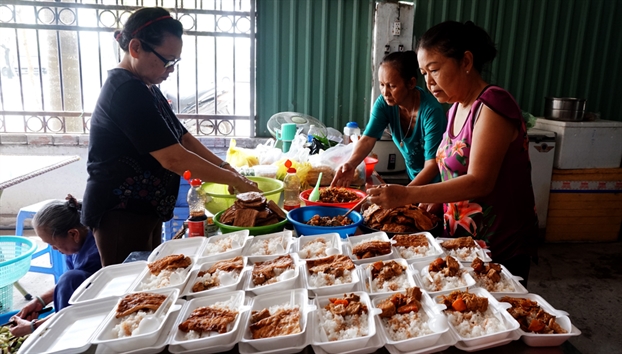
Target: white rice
[315, 249]
[163, 279]
[338, 328]
[416, 252]
[441, 282]
[463, 254]
[322, 279]
[405, 326]
[129, 324]
[207, 277]
[504, 285]
[475, 324]
[397, 283]
[269, 246]
[225, 305]
[224, 244]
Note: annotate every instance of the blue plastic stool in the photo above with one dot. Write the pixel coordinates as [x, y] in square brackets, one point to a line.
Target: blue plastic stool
[57, 259]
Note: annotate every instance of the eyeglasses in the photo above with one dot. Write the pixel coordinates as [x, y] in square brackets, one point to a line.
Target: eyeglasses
[167, 63]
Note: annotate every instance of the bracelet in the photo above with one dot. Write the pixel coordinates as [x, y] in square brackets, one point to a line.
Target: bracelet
[32, 326]
[41, 301]
[223, 164]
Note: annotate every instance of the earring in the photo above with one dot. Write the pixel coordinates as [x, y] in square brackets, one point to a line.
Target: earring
[467, 71]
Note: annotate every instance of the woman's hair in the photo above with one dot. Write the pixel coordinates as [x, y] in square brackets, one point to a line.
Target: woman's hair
[452, 39]
[150, 25]
[404, 62]
[58, 217]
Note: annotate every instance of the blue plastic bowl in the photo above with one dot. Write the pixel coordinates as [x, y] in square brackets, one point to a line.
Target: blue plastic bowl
[299, 216]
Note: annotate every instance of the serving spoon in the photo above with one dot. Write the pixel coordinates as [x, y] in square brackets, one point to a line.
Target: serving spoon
[314, 196]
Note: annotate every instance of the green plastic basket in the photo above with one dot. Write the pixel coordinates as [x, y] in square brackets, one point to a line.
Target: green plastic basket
[221, 199]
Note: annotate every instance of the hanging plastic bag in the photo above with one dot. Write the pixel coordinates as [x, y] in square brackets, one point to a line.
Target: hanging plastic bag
[328, 161]
[267, 153]
[241, 157]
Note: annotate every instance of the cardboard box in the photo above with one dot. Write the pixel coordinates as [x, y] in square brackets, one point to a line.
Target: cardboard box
[596, 144]
[585, 205]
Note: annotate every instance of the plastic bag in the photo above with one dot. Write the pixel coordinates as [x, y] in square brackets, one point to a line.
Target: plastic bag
[240, 157]
[530, 120]
[328, 162]
[267, 153]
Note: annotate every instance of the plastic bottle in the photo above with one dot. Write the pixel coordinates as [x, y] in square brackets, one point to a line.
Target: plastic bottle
[200, 221]
[291, 188]
[351, 129]
[313, 130]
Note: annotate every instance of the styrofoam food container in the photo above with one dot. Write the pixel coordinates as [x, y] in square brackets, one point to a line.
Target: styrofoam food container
[146, 273]
[446, 340]
[344, 345]
[483, 254]
[71, 330]
[191, 247]
[424, 272]
[107, 337]
[178, 349]
[330, 289]
[245, 348]
[194, 274]
[436, 321]
[284, 249]
[505, 273]
[366, 277]
[333, 238]
[215, 339]
[499, 311]
[108, 282]
[545, 340]
[284, 284]
[299, 297]
[375, 342]
[355, 240]
[438, 251]
[241, 237]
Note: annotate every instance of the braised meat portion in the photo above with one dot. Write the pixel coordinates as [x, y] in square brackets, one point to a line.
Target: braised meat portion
[208, 319]
[171, 262]
[281, 323]
[373, 248]
[265, 271]
[252, 209]
[460, 242]
[401, 303]
[139, 301]
[348, 305]
[233, 265]
[337, 195]
[531, 317]
[413, 240]
[334, 265]
[385, 271]
[449, 266]
[338, 220]
[491, 270]
[463, 301]
[407, 218]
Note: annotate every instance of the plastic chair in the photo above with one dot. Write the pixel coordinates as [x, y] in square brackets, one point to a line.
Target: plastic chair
[57, 259]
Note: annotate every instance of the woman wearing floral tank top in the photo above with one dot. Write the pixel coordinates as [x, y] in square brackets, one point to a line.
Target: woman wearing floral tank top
[483, 159]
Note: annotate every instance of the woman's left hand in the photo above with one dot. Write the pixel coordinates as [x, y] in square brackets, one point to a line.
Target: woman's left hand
[388, 195]
[21, 327]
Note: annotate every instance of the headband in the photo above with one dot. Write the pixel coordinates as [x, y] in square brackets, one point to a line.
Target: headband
[149, 23]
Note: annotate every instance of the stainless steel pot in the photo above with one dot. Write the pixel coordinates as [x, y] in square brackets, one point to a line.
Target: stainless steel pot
[564, 108]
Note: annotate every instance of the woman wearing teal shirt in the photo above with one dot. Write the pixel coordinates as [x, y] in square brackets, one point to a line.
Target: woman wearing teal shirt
[415, 119]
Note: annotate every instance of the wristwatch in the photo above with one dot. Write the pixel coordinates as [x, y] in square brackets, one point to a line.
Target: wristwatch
[223, 164]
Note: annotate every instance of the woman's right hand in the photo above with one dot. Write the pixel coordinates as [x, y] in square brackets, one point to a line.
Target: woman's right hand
[343, 176]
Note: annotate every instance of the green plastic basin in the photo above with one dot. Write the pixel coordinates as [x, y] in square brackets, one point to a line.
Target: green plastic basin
[255, 231]
[221, 199]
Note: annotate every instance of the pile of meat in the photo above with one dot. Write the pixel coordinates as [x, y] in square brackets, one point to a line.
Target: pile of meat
[282, 322]
[233, 265]
[338, 220]
[415, 240]
[349, 305]
[372, 248]
[449, 266]
[464, 301]
[268, 271]
[408, 218]
[135, 302]
[208, 319]
[460, 242]
[337, 195]
[171, 262]
[334, 265]
[401, 303]
[382, 272]
[252, 209]
[491, 270]
[531, 317]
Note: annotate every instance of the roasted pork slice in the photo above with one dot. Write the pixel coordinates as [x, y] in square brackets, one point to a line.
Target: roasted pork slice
[207, 319]
[228, 265]
[419, 217]
[414, 240]
[228, 216]
[171, 262]
[276, 209]
[334, 265]
[394, 227]
[250, 197]
[281, 323]
[139, 301]
[460, 242]
[245, 217]
[371, 248]
[264, 271]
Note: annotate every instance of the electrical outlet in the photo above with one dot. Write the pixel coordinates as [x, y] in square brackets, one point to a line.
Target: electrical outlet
[400, 48]
[396, 29]
[387, 49]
